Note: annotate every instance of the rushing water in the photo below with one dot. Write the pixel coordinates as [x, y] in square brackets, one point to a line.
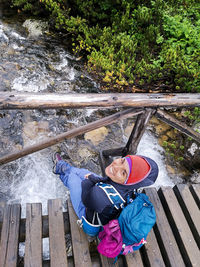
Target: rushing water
[35, 63]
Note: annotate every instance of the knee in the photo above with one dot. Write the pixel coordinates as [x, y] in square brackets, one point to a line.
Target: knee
[62, 167]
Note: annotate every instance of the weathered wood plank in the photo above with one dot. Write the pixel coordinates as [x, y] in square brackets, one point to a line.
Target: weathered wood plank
[9, 236]
[190, 209]
[163, 116]
[2, 206]
[195, 189]
[33, 243]
[134, 259]
[45, 225]
[182, 232]
[169, 248]
[153, 251]
[58, 256]
[108, 262]
[16, 100]
[69, 134]
[79, 241]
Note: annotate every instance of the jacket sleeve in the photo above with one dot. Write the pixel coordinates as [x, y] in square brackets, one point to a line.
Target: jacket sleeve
[93, 197]
[96, 179]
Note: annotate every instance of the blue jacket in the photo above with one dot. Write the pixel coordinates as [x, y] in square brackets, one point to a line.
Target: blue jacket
[96, 200]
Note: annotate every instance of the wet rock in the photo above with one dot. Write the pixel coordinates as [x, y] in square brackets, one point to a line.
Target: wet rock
[18, 147]
[171, 170]
[171, 134]
[97, 136]
[162, 128]
[85, 153]
[128, 130]
[162, 139]
[11, 51]
[195, 178]
[154, 120]
[34, 130]
[35, 27]
[193, 148]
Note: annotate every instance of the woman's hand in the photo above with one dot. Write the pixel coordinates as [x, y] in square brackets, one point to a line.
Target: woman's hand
[86, 176]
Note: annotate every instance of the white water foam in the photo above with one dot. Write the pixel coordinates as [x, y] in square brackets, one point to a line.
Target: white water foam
[37, 82]
[149, 147]
[35, 182]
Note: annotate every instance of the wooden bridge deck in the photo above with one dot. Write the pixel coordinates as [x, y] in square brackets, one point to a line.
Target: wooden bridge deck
[174, 240]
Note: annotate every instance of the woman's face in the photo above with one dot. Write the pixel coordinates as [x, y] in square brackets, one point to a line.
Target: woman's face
[118, 170]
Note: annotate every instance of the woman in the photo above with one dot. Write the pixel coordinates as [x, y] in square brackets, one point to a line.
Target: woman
[95, 199]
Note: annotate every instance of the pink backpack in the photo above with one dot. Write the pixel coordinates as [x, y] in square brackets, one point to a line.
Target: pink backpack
[111, 240]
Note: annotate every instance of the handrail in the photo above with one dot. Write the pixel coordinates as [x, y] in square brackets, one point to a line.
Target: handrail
[69, 134]
[15, 100]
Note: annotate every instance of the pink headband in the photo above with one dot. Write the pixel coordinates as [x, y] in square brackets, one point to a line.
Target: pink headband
[130, 167]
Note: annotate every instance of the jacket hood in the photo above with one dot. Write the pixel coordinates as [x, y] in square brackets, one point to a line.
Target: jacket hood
[147, 181]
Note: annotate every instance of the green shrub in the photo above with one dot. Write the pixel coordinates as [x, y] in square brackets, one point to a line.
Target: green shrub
[131, 42]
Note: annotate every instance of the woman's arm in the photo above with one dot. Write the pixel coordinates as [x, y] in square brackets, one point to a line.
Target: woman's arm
[92, 196]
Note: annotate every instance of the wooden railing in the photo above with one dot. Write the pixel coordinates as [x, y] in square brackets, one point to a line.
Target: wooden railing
[144, 106]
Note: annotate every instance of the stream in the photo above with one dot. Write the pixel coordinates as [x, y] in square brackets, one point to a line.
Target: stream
[35, 61]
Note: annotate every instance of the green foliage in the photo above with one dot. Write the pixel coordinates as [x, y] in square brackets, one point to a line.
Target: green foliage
[177, 144]
[30, 6]
[131, 42]
[192, 115]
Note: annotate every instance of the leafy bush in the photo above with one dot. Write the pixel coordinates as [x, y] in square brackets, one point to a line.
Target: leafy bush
[155, 43]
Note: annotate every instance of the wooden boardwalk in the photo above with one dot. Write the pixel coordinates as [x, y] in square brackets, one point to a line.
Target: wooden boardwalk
[174, 240]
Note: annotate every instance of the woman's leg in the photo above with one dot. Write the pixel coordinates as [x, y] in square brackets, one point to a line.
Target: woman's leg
[72, 178]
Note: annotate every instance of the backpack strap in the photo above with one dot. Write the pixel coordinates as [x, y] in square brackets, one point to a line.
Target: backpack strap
[113, 195]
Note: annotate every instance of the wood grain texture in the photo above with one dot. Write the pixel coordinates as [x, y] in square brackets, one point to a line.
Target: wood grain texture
[33, 243]
[58, 256]
[79, 241]
[181, 229]
[16, 100]
[9, 236]
[169, 249]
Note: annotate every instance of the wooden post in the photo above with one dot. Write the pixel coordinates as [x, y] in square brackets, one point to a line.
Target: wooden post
[105, 156]
[72, 133]
[137, 132]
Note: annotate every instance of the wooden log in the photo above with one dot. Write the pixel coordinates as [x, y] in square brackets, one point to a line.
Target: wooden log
[80, 242]
[72, 133]
[15, 100]
[58, 255]
[137, 132]
[187, 245]
[163, 116]
[33, 244]
[9, 236]
[45, 226]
